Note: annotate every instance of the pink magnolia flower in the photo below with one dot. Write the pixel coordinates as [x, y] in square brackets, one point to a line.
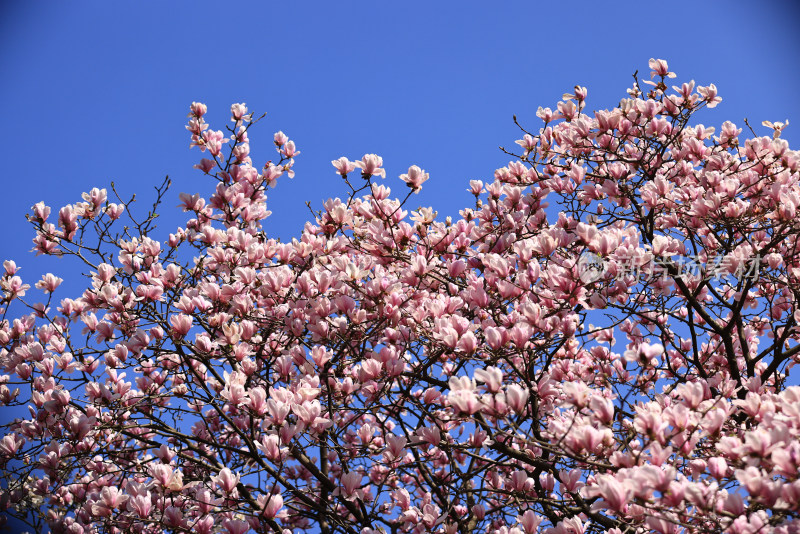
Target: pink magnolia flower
[396, 445]
[718, 467]
[415, 178]
[645, 355]
[204, 525]
[226, 480]
[141, 505]
[572, 525]
[777, 127]
[709, 95]
[659, 67]
[343, 166]
[430, 434]
[113, 497]
[571, 480]
[520, 481]
[14, 287]
[235, 526]
[239, 112]
[173, 517]
[479, 511]
[198, 109]
[280, 138]
[241, 152]
[115, 211]
[49, 283]
[271, 505]
[491, 376]
[616, 493]
[181, 324]
[370, 165]
[602, 408]
[517, 398]
[530, 521]
[467, 342]
[257, 400]
[96, 197]
[10, 267]
[402, 498]
[289, 150]
[464, 401]
[10, 444]
[41, 211]
[495, 337]
[350, 483]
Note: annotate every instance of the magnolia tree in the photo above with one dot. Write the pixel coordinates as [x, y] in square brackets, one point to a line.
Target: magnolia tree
[617, 362]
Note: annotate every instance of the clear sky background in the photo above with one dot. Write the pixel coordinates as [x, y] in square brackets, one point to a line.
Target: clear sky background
[94, 92]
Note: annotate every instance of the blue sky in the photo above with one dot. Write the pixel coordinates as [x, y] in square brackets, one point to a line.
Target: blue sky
[95, 92]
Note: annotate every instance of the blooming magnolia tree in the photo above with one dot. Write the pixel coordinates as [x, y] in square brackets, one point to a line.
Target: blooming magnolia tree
[617, 362]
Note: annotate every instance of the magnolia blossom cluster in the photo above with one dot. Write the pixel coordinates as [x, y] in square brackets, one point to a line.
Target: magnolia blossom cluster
[387, 371]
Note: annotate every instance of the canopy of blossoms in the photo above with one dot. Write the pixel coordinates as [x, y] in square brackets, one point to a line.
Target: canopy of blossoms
[602, 343]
